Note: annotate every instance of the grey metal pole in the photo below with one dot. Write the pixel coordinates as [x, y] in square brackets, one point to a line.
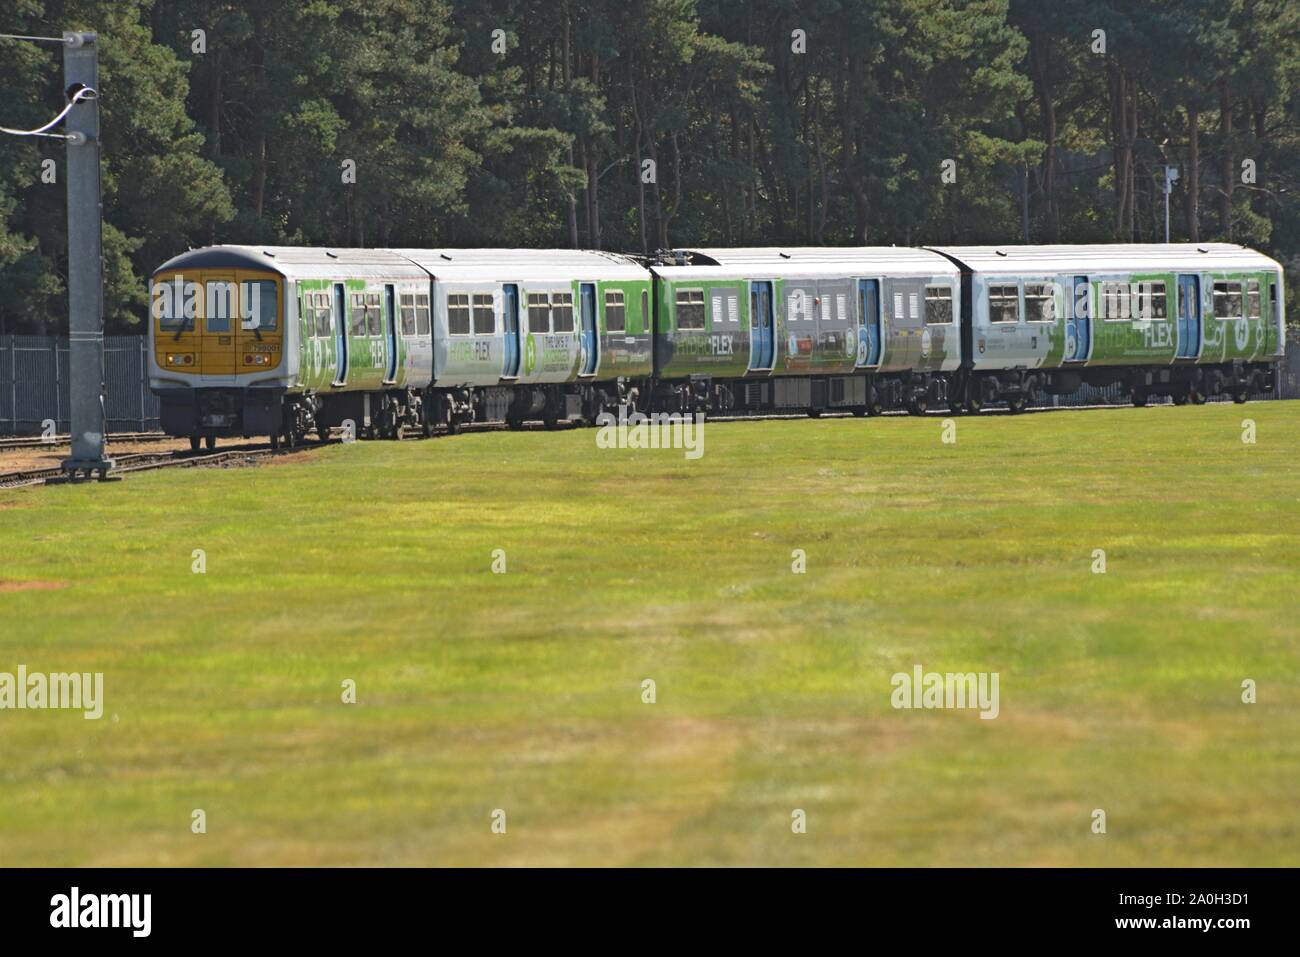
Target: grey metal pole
[85, 280]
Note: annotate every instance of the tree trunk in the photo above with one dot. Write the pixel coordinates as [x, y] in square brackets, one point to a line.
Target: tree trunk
[1227, 172]
[1192, 179]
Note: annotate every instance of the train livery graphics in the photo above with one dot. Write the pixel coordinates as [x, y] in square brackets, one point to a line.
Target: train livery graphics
[286, 341]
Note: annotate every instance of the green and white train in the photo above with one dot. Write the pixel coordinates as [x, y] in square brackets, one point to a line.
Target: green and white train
[286, 341]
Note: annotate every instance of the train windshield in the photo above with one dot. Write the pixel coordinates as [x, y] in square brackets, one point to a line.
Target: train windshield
[178, 303]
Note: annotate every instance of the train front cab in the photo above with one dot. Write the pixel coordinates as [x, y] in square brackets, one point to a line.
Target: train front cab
[218, 355]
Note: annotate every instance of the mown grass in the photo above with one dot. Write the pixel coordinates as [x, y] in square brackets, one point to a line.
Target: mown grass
[522, 690]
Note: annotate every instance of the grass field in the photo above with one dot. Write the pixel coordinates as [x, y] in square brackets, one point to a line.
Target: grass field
[523, 691]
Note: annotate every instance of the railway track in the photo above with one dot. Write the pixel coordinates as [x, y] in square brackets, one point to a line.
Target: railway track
[144, 462]
[39, 442]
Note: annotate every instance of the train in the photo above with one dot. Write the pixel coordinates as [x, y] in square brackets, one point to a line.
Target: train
[291, 342]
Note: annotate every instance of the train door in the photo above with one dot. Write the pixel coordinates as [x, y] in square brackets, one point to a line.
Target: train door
[868, 322]
[1189, 316]
[589, 341]
[511, 296]
[390, 328]
[220, 307]
[1078, 325]
[339, 315]
[760, 326]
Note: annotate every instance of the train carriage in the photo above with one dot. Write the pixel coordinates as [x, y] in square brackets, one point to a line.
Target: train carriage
[1182, 320]
[542, 334]
[806, 328]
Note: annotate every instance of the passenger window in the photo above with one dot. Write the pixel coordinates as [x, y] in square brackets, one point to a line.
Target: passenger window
[408, 314]
[422, 315]
[1252, 299]
[615, 317]
[374, 317]
[485, 320]
[324, 321]
[1004, 303]
[938, 305]
[358, 307]
[690, 309]
[562, 311]
[645, 312]
[539, 312]
[1227, 300]
[458, 314]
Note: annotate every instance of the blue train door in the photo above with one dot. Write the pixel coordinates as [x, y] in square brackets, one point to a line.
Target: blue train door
[760, 326]
[590, 355]
[1078, 322]
[868, 322]
[1189, 316]
[340, 336]
[511, 308]
[390, 324]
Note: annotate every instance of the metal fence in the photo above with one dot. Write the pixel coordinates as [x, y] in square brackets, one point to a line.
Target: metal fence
[34, 384]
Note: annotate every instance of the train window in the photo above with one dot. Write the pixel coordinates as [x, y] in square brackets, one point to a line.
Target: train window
[1040, 303]
[1150, 301]
[1004, 303]
[1252, 299]
[421, 315]
[1227, 300]
[562, 311]
[690, 308]
[458, 314]
[485, 320]
[912, 306]
[323, 324]
[170, 314]
[841, 306]
[258, 309]
[357, 308]
[645, 311]
[374, 318]
[408, 314]
[539, 312]
[219, 305]
[1116, 301]
[938, 305]
[615, 313]
[898, 306]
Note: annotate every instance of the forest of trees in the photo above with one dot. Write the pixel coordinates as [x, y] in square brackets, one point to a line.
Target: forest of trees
[767, 122]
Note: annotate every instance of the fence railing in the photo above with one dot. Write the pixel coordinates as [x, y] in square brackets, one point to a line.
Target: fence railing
[34, 384]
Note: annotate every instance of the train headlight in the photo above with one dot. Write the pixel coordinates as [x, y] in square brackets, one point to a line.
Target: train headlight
[256, 359]
[180, 359]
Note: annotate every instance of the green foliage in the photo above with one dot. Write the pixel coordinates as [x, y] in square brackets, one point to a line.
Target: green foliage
[539, 135]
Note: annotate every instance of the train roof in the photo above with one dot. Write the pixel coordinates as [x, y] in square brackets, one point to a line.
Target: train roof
[805, 261]
[537, 265]
[1109, 257]
[326, 262]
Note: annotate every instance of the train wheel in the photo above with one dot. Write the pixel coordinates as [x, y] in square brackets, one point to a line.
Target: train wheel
[954, 406]
[514, 423]
[210, 441]
[1138, 397]
[275, 441]
[1240, 396]
[195, 442]
[1017, 404]
[322, 433]
[814, 413]
[1197, 397]
[398, 432]
[1180, 398]
[916, 405]
[974, 406]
